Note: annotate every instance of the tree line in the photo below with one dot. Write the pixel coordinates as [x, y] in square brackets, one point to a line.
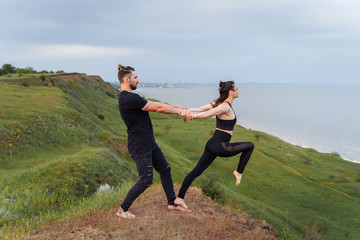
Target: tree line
[7, 68]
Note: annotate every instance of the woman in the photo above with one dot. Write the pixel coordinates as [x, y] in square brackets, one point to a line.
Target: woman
[218, 144]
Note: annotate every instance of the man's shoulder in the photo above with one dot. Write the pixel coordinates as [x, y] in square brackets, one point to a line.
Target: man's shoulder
[131, 100]
[128, 95]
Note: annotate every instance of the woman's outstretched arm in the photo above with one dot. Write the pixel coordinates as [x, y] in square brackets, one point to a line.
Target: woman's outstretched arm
[221, 109]
[200, 109]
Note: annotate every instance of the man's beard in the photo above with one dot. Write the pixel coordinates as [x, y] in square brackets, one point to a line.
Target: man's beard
[133, 87]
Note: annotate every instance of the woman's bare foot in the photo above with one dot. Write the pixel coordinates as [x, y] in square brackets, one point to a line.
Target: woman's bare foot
[238, 177]
[180, 202]
[178, 208]
[126, 215]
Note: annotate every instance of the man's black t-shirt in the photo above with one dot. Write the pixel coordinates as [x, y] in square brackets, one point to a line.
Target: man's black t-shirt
[138, 122]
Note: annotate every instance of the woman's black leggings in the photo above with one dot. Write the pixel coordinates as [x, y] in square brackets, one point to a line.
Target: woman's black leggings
[218, 145]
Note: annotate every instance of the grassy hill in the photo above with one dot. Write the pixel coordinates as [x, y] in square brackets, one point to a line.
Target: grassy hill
[62, 138]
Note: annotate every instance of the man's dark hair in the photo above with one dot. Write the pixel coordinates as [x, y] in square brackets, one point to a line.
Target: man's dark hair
[124, 72]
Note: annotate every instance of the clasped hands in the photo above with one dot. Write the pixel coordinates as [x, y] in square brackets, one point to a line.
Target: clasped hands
[185, 114]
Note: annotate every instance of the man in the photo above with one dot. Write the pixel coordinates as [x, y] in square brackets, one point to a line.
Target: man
[141, 142]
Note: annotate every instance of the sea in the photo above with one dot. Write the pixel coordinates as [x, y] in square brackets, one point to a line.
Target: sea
[325, 117]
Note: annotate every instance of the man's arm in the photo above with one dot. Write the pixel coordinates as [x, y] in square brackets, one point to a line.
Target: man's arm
[200, 109]
[211, 112]
[221, 109]
[160, 107]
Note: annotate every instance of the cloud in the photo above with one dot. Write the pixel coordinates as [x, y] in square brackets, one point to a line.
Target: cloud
[348, 1]
[70, 51]
[218, 6]
[231, 5]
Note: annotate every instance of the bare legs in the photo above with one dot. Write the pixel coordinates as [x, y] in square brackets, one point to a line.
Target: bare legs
[125, 215]
[238, 177]
[180, 202]
[179, 207]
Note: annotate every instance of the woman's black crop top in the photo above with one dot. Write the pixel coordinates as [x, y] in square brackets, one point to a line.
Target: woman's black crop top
[226, 124]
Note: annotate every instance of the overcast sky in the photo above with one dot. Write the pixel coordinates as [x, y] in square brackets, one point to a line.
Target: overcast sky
[278, 41]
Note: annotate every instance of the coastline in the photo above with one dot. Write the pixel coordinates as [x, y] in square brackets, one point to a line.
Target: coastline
[305, 146]
[285, 112]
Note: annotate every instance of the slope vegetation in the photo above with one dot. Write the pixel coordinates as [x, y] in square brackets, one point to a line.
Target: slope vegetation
[62, 139]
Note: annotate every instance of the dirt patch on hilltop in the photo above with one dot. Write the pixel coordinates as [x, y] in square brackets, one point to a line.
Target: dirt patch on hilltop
[155, 221]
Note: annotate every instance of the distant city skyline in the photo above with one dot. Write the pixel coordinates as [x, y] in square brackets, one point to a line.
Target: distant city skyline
[190, 41]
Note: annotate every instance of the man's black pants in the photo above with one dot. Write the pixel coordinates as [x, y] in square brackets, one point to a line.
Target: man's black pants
[145, 162]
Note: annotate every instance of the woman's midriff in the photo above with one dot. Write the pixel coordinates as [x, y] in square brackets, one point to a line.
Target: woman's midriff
[227, 131]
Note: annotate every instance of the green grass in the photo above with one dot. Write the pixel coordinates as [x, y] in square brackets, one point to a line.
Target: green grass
[55, 152]
[279, 184]
[97, 202]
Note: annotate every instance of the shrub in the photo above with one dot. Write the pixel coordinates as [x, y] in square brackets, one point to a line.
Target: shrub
[42, 77]
[211, 188]
[8, 68]
[52, 81]
[167, 127]
[25, 84]
[335, 154]
[100, 116]
[307, 162]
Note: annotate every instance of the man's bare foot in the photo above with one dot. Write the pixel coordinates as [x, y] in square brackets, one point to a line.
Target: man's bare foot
[126, 215]
[178, 208]
[180, 202]
[238, 177]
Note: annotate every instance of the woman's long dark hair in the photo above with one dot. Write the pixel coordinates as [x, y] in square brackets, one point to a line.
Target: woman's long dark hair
[224, 89]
